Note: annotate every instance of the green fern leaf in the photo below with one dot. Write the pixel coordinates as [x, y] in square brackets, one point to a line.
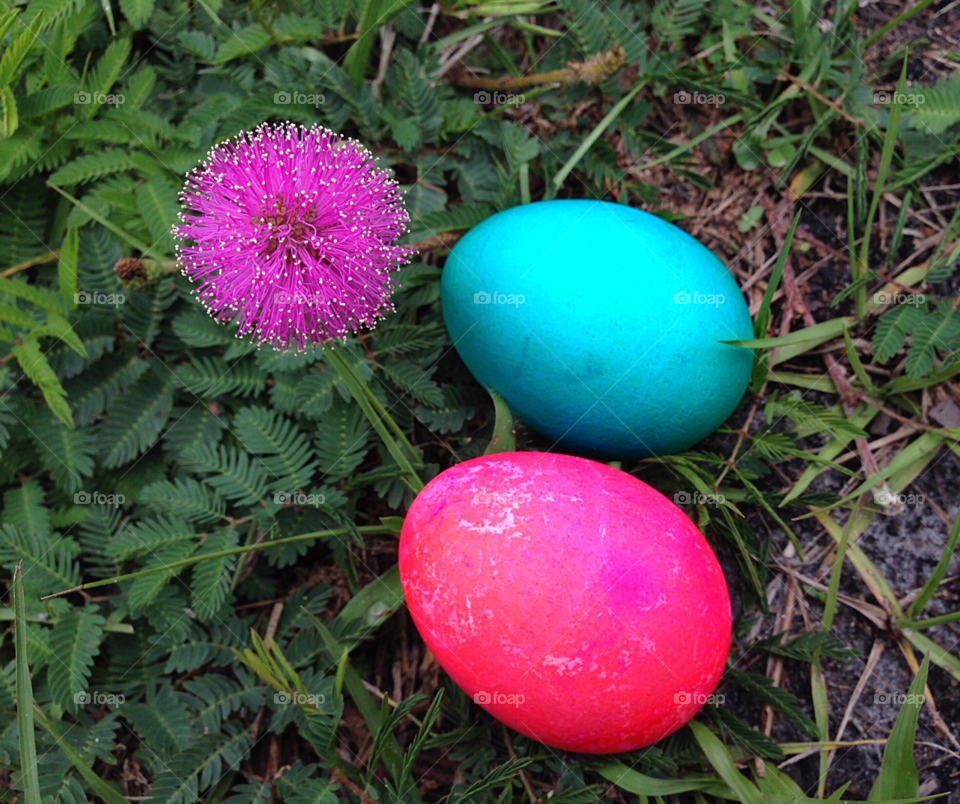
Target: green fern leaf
[215, 697]
[285, 451]
[939, 330]
[212, 578]
[163, 722]
[107, 69]
[211, 376]
[67, 454]
[191, 427]
[145, 589]
[674, 20]
[136, 419]
[315, 393]
[185, 498]
[940, 108]
[48, 565]
[93, 166]
[241, 43]
[415, 381]
[74, 642]
[148, 536]
[892, 329]
[159, 207]
[234, 475]
[137, 12]
[199, 766]
[341, 439]
[586, 24]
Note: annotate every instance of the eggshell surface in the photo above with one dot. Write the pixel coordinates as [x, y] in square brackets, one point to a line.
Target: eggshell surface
[570, 600]
[600, 325]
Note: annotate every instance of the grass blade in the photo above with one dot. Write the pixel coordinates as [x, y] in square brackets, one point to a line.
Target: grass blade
[29, 775]
[719, 757]
[503, 439]
[898, 777]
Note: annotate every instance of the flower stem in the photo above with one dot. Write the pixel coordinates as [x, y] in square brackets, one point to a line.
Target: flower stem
[403, 452]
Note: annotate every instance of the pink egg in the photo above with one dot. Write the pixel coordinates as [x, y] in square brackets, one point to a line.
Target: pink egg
[570, 600]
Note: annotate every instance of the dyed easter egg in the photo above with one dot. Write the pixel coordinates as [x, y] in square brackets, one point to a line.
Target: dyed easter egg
[570, 600]
[600, 325]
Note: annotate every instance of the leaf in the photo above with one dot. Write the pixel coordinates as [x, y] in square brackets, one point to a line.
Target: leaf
[212, 578]
[67, 266]
[159, 207]
[504, 439]
[241, 43]
[163, 722]
[93, 166]
[136, 419]
[898, 777]
[74, 644]
[185, 498]
[35, 366]
[137, 12]
[635, 782]
[778, 698]
[236, 476]
[719, 757]
[27, 781]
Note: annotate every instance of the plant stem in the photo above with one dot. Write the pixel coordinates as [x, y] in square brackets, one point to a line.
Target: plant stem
[377, 416]
[233, 551]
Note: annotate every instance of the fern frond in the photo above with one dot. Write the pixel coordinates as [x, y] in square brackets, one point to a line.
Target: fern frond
[136, 419]
[233, 474]
[939, 330]
[163, 722]
[211, 376]
[215, 697]
[48, 565]
[67, 454]
[892, 328]
[199, 766]
[185, 498]
[674, 20]
[341, 439]
[74, 643]
[941, 106]
[148, 536]
[212, 578]
[93, 166]
[285, 450]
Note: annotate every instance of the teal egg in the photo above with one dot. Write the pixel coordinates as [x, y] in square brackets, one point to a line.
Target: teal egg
[600, 325]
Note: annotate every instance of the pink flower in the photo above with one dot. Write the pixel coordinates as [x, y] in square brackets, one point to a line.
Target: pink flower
[290, 232]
